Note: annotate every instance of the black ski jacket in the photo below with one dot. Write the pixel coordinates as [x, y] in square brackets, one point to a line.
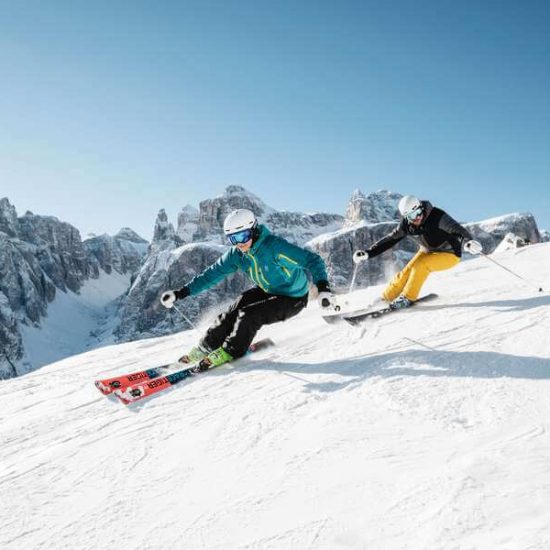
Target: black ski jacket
[438, 232]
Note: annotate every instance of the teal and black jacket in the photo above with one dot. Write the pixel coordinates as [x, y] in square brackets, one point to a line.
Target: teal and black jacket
[273, 264]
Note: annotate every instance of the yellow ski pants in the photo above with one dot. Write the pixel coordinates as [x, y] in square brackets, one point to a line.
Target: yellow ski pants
[410, 279]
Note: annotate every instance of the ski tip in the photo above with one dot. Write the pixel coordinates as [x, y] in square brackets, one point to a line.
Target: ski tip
[105, 390]
[129, 395]
[332, 319]
[121, 397]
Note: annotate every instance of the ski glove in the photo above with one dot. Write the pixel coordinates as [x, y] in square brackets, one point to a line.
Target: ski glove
[325, 296]
[473, 247]
[326, 300]
[169, 297]
[360, 256]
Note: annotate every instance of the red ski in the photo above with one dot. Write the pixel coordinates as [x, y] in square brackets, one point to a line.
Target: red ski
[122, 381]
[109, 385]
[135, 392]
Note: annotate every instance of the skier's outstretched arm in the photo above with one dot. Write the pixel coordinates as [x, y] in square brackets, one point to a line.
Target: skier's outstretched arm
[451, 226]
[387, 242]
[224, 266]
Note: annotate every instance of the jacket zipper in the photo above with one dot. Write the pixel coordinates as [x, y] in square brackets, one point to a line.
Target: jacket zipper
[258, 274]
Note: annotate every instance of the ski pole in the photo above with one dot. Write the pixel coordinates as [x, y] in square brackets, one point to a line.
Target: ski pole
[185, 317]
[512, 272]
[352, 284]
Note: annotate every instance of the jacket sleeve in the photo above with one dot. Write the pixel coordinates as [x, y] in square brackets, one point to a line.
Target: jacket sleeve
[388, 241]
[227, 264]
[447, 224]
[291, 256]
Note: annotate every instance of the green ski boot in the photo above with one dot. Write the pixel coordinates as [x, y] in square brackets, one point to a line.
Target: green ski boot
[213, 359]
[194, 356]
[218, 357]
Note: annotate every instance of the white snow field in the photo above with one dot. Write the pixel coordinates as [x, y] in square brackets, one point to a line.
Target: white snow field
[425, 429]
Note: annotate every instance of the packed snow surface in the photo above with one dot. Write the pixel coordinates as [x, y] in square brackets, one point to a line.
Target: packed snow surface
[424, 429]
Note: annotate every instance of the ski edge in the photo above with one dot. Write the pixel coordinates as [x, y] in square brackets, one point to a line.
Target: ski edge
[374, 314]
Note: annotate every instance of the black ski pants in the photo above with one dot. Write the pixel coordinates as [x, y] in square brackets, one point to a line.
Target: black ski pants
[235, 328]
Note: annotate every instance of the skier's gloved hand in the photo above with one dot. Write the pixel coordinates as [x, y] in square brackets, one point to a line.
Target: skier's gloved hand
[360, 256]
[325, 296]
[326, 300]
[473, 247]
[168, 298]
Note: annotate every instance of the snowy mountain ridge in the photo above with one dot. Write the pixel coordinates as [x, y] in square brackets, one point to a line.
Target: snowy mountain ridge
[423, 429]
[42, 258]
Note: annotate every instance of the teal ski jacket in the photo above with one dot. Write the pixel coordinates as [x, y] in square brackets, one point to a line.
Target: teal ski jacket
[273, 264]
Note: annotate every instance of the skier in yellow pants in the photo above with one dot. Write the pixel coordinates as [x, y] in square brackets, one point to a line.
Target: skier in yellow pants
[441, 240]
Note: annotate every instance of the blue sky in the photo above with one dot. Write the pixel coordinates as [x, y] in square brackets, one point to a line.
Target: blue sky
[110, 111]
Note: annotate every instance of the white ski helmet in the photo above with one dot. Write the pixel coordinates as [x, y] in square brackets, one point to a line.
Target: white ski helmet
[239, 220]
[408, 204]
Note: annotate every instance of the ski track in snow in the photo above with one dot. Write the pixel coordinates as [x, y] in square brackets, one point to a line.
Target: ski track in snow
[425, 429]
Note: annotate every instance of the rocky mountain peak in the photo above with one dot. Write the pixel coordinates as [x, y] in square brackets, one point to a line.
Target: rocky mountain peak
[8, 218]
[188, 223]
[164, 230]
[128, 234]
[212, 212]
[379, 206]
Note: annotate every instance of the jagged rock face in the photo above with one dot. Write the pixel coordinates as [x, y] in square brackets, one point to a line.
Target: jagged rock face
[188, 224]
[117, 253]
[299, 228]
[11, 347]
[40, 255]
[127, 234]
[491, 232]
[142, 314]
[25, 292]
[59, 249]
[510, 242]
[380, 206]
[8, 218]
[212, 212]
[164, 230]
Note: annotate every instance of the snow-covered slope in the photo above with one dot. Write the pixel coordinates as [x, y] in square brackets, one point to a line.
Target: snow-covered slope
[426, 429]
[73, 321]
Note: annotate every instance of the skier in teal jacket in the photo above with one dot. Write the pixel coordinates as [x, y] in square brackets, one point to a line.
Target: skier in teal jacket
[278, 270]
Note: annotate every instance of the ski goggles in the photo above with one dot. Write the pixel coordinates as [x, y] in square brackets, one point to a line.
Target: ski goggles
[240, 237]
[414, 214]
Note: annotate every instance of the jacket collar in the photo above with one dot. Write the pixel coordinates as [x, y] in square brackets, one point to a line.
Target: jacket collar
[263, 233]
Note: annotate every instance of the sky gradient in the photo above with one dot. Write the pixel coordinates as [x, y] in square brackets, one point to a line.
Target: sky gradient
[112, 110]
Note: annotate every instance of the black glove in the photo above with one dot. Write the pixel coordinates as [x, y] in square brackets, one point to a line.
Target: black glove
[170, 296]
[325, 297]
[322, 286]
[182, 293]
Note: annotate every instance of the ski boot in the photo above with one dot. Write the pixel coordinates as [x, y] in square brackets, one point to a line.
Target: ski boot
[213, 359]
[196, 354]
[401, 302]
